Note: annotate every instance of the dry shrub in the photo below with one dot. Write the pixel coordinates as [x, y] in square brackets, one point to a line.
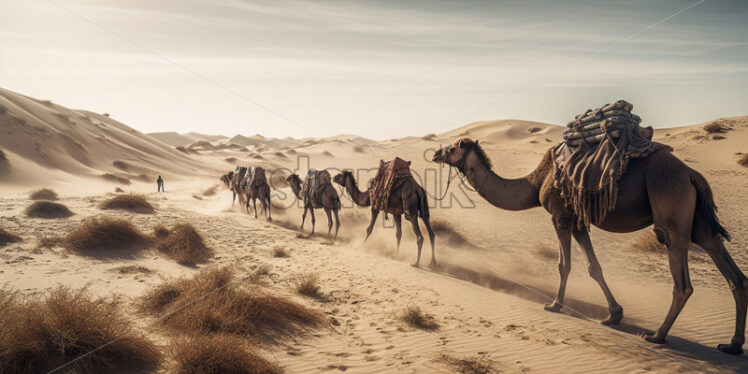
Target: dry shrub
[743, 161]
[308, 285]
[160, 232]
[8, 238]
[468, 365]
[280, 252]
[359, 149]
[182, 149]
[231, 160]
[717, 137]
[47, 209]
[533, 130]
[132, 269]
[196, 197]
[43, 194]
[217, 354]
[119, 190]
[415, 317]
[38, 334]
[113, 178]
[95, 235]
[130, 202]
[211, 303]
[121, 165]
[184, 245]
[717, 127]
[327, 153]
[281, 154]
[430, 136]
[647, 242]
[303, 235]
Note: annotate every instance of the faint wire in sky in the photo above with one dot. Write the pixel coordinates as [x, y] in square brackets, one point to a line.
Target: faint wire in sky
[536, 82]
[203, 77]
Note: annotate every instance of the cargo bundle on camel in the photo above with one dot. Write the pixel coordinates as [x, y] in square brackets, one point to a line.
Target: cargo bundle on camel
[395, 191]
[610, 175]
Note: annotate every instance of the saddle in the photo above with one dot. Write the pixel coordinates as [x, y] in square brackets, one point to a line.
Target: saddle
[389, 176]
[316, 180]
[593, 157]
[258, 177]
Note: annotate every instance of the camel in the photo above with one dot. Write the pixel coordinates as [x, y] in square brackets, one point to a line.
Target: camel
[259, 191]
[326, 199]
[408, 198]
[226, 179]
[236, 178]
[659, 189]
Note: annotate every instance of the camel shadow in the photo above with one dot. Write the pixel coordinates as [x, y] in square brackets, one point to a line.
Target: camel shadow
[683, 348]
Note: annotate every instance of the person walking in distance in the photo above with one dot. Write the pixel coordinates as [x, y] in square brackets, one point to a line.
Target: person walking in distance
[160, 183]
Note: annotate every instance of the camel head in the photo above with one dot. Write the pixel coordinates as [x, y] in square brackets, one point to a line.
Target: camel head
[293, 180]
[456, 154]
[341, 177]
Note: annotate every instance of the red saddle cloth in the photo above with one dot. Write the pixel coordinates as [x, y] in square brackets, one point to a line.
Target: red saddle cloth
[389, 175]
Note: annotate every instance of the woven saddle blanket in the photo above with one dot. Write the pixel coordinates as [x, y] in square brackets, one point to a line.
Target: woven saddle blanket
[593, 157]
[389, 176]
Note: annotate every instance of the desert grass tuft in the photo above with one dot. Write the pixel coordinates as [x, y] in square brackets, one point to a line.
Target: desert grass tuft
[98, 235]
[38, 334]
[160, 232]
[716, 127]
[308, 285]
[467, 365]
[222, 307]
[184, 245]
[743, 160]
[132, 269]
[430, 136]
[647, 242]
[43, 194]
[415, 317]
[47, 209]
[280, 252]
[217, 354]
[130, 202]
[8, 237]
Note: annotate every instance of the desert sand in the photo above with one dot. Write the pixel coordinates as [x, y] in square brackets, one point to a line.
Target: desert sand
[496, 268]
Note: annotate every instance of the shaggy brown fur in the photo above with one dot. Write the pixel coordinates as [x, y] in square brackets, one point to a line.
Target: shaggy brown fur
[47, 209]
[38, 334]
[226, 308]
[43, 194]
[130, 202]
[184, 245]
[218, 354]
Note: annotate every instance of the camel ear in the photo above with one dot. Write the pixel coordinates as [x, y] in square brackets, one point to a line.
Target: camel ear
[476, 141]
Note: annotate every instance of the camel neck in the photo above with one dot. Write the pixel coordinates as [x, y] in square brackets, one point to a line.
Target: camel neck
[296, 188]
[510, 194]
[361, 198]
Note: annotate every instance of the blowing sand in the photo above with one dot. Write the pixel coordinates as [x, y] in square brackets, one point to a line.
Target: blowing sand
[481, 308]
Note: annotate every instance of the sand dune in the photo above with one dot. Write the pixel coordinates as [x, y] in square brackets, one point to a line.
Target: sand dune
[496, 268]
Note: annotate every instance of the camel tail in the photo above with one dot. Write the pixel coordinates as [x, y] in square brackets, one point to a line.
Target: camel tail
[335, 199]
[705, 205]
[423, 204]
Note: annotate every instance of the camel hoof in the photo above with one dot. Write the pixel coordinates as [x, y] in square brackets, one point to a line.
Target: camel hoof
[732, 348]
[615, 317]
[415, 265]
[554, 307]
[654, 338]
[432, 265]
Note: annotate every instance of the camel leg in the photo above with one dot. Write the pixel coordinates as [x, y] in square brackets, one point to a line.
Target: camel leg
[254, 205]
[419, 237]
[270, 214]
[562, 224]
[596, 272]
[303, 218]
[337, 224]
[329, 221]
[737, 282]
[374, 215]
[398, 229]
[426, 222]
[311, 211]
[678, 259]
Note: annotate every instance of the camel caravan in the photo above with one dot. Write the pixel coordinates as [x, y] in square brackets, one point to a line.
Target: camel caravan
[249, 184]
[607, 172]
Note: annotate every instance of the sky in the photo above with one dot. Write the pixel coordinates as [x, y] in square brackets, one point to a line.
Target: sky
[379, 69]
